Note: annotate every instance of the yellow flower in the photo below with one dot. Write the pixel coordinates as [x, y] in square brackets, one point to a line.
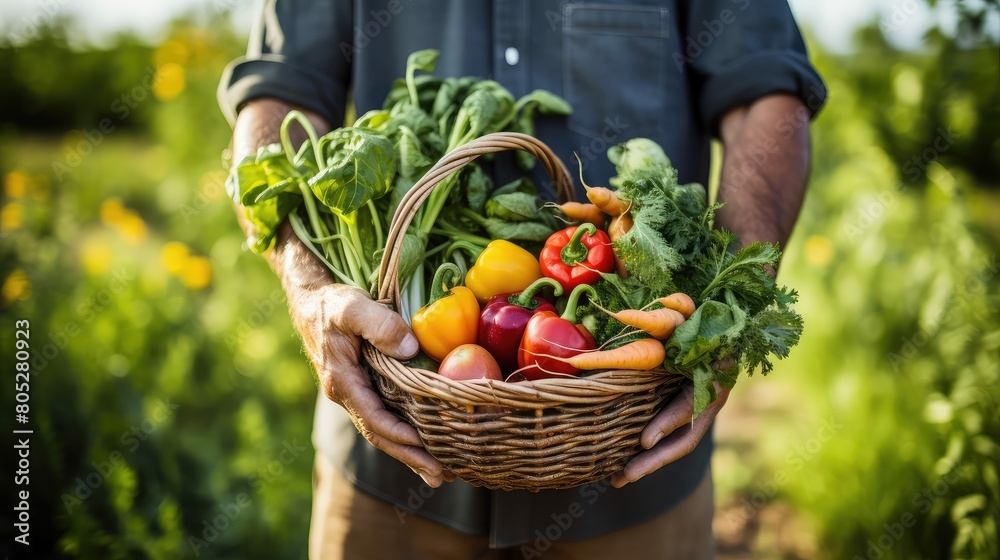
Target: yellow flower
[132, 227]
[15, 185]
[112, 211]
[15, 287]
[173, 51]
[174, 256]
[11, 216]
[168, 82]
[197, 273]
[819, 250]
[96, 257]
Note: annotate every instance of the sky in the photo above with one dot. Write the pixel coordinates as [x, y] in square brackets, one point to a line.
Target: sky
[831, 23]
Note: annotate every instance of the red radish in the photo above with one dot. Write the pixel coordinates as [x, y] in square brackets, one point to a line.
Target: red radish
[470, 361]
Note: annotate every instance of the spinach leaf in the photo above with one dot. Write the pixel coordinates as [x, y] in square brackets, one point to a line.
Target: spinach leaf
[359, 169]
[514, 207]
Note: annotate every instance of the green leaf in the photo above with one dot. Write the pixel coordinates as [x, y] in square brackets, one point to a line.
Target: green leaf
[514, 207]
[475, 184]
[641, 158]
[497, 228]
[265, 218]
[521, 185]
[771, 331]
[704, 391]
[709, 329]
[359, 170]
[424, 60]
[544, 102]
[412, 253]
[646, 252]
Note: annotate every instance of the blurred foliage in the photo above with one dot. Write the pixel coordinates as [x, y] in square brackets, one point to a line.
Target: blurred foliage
[172, 405]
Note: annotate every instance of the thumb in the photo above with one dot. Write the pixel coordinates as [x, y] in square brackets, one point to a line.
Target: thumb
[385, 329]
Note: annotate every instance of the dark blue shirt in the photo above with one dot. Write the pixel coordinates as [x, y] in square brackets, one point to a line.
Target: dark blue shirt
[667, 70]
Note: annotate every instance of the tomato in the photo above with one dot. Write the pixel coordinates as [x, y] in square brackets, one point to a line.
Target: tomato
[470, 361]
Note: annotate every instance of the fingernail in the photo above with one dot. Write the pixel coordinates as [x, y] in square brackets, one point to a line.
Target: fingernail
[409, 346]
[656, 439]
[426, 478]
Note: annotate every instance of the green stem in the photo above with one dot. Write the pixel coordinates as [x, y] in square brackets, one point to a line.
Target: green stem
[473, 249]
[525, 298]
[575, 252]
[435, 250]
[447, 276]
[377, 221]
[286, 142]
[574, 298]
[718, 278]
[459, 235]
[300, 230]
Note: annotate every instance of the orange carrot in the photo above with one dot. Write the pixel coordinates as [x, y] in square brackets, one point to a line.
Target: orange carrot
[580, 212]
[658, 323]
[607, 200]
[643, 354]
[678, 302]
[602, 197]
[619, 226]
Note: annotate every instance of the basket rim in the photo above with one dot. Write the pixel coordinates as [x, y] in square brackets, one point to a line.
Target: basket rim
[595, 388]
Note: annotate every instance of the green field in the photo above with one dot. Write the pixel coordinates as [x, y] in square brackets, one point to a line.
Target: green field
[167, 380]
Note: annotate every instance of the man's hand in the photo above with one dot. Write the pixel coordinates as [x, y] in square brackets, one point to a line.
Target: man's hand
[670, 435]
[333, 318]
[765, 167]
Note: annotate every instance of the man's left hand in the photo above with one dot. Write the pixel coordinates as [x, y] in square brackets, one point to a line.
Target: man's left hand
[670, 435]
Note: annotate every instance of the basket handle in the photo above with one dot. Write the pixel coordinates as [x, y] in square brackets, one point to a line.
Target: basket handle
[388, 274]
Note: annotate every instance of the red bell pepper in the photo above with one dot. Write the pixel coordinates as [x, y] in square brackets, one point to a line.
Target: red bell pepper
[577, 255]
[502, 322]
[549, 336]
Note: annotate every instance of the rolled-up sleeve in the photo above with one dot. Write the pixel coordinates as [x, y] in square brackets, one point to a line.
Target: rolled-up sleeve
[294, 54]
[742, 50]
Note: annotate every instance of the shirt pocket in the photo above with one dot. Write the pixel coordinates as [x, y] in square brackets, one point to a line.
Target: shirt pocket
[613, 68]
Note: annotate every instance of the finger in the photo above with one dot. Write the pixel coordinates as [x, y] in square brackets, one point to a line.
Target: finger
[678, 444]
[417, 458]
[382, 327]
[366, 407]
[676, 414]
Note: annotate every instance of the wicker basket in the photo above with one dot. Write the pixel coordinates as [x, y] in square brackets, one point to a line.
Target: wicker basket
[533, 435]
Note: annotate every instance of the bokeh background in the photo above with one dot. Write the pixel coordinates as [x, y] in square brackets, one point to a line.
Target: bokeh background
[167, 379]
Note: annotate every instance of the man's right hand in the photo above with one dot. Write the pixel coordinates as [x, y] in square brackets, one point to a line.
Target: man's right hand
[333, 318]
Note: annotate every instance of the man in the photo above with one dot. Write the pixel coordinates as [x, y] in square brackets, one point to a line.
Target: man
[675, 71]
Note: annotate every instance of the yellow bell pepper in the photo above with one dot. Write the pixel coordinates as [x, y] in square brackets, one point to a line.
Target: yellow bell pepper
[502, 268]
[451, 319]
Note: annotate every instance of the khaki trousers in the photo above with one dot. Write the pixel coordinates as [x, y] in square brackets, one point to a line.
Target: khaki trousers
[348, 524]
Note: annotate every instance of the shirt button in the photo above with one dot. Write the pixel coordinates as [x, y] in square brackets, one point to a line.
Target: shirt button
[511, 56]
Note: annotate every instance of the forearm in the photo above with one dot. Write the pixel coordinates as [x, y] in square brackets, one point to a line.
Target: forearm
[765, 168]
[258, 125]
